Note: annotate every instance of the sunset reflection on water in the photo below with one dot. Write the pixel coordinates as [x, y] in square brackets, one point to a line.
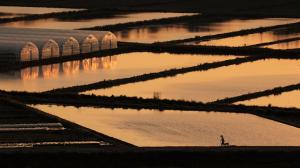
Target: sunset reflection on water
[155, 33]
[68, 68]
[97, 69]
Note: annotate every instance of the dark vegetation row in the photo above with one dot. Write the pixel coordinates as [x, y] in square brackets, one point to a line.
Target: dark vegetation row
[154, 75]
[158, 48]
[79, 100]
[249, 96]
[212, 50]
[16, 65]
[8, 65]
[193, 20]
[274, 7]
[21, 113]
[235, 33]
[69, 15]
[276, 42]
[289, 116]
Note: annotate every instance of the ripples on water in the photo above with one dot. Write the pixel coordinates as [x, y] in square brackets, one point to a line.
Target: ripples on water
[179, 128]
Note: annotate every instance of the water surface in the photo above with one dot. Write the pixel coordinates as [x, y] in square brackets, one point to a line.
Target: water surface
[214, 84]
[33, 10]
[285, 46]
[18, 11]
[287, 99]
[257, 38]
[180, 128]
[85, 23]
[10, 15]
[154, 33]
[92, 70]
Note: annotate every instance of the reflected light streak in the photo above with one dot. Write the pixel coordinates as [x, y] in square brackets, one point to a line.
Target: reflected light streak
[68, 68]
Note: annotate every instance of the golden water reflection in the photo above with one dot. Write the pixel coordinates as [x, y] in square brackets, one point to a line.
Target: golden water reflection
[214, 84]
[33, 10]
[288, 99]
[154, 33]
[285, 46]
[179, 128]
[253, 39]
[98, 69]
[30, 73]
[68, 68]
[50, 71]
[84, 23]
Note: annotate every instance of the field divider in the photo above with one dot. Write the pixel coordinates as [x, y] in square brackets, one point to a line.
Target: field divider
[202, 18]
[76, 14]
[210, 50]
[275, 42]
[69, 99]
[288, 116]
[232, 34]
[125, 47]
[255, 95]
[154, 75]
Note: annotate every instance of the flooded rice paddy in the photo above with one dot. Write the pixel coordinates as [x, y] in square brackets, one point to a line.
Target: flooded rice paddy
[253, 39]
[169, 128]
[287, 99]
[85, 23]
[285, 46]
[155, 33]
[33, 10]
[43, 78]
[17, 11]
[179, 128]
[214, 84]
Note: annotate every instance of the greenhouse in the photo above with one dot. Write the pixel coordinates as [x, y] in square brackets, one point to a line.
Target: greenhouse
[54, 43]
[18, 51]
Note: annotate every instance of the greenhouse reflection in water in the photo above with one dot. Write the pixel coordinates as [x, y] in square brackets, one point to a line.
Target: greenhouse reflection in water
[67, 68]
[50, 71]
[82, 72]
[213, 84]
